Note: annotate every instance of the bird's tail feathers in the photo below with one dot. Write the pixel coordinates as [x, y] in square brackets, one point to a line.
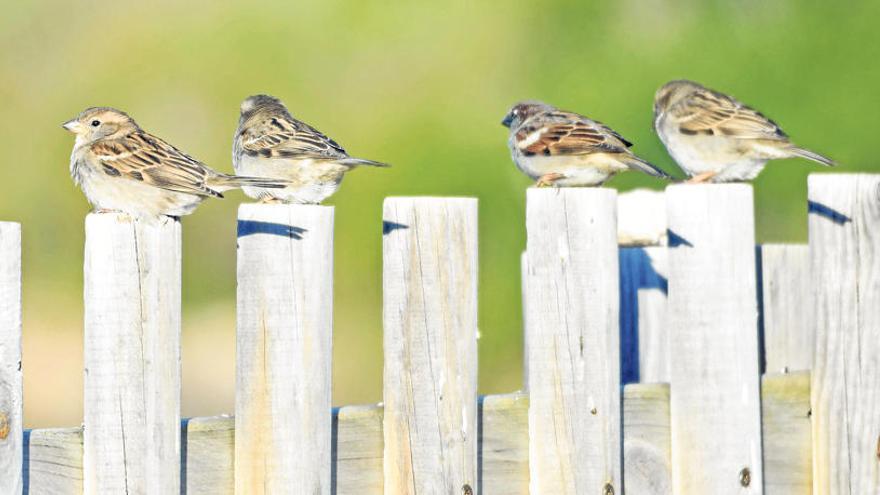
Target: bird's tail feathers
[227, 182]
[636, 163]
[355, 162]
[812, 155]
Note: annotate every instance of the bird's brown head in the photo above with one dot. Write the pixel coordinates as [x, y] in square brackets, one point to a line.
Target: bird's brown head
[257, 103]
[97, 123]
[523, 111]
[671, 93]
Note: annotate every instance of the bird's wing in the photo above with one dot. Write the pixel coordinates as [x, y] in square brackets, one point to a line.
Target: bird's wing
[285, 137]
[145, 158]
[711, 113]
[566, 133]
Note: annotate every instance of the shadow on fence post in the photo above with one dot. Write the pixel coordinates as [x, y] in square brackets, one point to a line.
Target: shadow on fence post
[132, 355]
[10, 359]
[845, 271]
[713, 338]
[574, 356]
[430, 345]
[283, 352]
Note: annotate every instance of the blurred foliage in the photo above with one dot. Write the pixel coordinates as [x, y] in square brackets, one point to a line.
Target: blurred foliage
[418, 84]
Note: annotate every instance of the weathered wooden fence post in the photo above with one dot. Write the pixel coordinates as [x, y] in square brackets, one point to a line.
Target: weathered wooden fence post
[430, 346]
[10, 359]
[786, 291]
[845, 271]
[284, 346]
[713, 336]
[574, 354]
[132, 355]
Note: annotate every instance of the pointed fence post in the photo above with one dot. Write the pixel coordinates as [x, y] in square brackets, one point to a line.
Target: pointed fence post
[10, 359]
[284, 345]
[132, 355]
[430, 345]
[574, 353]
[713, 338]
[845, 272]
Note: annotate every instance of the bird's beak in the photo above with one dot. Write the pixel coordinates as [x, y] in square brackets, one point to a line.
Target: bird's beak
[507, 120]
[71, 125]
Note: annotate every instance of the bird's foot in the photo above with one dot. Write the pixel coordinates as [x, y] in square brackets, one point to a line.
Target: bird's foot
[701, 178]
[548, 180]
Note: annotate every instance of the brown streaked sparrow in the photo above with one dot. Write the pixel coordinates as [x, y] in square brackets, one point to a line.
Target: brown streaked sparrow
[715, 138]
[561, 148]
[121, 167]
[269, 142]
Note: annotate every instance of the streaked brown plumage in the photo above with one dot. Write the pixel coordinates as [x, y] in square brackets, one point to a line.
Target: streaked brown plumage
[714, 137]
[121, 167]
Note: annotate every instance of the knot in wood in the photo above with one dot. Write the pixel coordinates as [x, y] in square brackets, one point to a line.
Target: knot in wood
[745, 477]
[466, 489]
[4, 425]
[608, 490]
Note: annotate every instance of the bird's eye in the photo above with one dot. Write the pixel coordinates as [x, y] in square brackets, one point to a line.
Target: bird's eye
[96, 123]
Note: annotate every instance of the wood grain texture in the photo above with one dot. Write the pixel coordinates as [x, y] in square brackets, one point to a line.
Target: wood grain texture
[54, 462]
[786, 295]
[10, 359]
[504, 444]
[844, 225]
[284, 347]
[713, 336]
[644, 343]
[209, 455]
[647, 451]
[524, 275]
[788, 453]
[574, 353]
[132, 355]
[357, 451]
[430, 345]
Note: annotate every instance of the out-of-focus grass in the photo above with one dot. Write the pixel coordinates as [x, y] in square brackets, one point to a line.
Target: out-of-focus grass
[422, 86]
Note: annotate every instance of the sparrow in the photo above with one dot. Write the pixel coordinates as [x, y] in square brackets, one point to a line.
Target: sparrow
[560, 148]
[269, 142]
[121, 167]
[713, 137]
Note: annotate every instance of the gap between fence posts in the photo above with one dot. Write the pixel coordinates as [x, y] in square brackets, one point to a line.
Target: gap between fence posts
[10, 359]
[283, 349]
[844, 223]
[132, 355]
[713, 336]
[430, 345]
[574, 355]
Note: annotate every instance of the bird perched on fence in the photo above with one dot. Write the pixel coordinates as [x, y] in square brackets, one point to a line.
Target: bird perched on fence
[560, 148]
[121, 167]
[715, 138]
[269, 142]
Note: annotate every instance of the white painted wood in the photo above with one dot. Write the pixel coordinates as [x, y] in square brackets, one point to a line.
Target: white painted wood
[713, 338]
[430, 345]
[641, 218]
[844, 225]
[644, 344]
[523, 274]
[284, 345]
[574, 354]
[358, 451]
[10, 358]
[504, 445]
[786, 296]
[647, 463]
[209, 455]
[54, 464]
[788, 453]
[132, 355]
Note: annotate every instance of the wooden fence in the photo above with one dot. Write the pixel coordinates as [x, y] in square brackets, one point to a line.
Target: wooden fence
[694, 365]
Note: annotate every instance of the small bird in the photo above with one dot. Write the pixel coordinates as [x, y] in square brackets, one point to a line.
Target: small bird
[560, 148]
[715, 138]
[121, 167]
[269, 142]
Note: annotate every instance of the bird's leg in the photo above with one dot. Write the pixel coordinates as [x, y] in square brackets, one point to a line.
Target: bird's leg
[267, 200]
[548, 180]
[701, 178]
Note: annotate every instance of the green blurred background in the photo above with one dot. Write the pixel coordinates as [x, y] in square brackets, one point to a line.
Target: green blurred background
[420, 85]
